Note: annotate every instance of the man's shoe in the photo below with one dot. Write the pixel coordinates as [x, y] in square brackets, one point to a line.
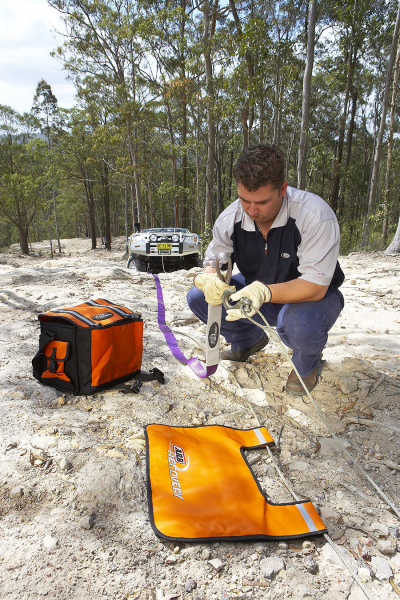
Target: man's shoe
[294, 386]
[242, 355]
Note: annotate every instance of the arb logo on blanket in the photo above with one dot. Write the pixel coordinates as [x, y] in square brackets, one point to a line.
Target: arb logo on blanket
[179, 452]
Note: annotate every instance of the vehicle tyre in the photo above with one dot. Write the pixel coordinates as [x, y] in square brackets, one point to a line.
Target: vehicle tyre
[137, 263]
[192, 261]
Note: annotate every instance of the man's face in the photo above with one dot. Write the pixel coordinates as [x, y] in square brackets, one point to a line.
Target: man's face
[264, 204]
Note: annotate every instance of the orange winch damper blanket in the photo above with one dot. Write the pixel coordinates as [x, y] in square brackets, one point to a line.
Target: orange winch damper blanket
[201, 488]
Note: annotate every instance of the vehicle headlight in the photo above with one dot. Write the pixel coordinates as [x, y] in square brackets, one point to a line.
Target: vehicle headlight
[153, 237]
[191, 239]
[175, 237]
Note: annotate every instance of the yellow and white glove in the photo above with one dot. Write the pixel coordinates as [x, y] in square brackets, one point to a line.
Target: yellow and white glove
[212, 287]
[257, 292]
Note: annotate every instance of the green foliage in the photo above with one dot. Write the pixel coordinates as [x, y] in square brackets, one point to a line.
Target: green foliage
[136, 145]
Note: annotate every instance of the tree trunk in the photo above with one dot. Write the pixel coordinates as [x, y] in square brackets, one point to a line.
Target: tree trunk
[378, 147]
[247, 110]
[173, 159]
[184, 220]
[56, 221]
[88, 185]
[49, 225]
[348, 155]
[335, 178]
[23, 239]
[390, 147]
[199, 207]
[394, 247]
[126, 215]
[106, 199]
[210, 115]
[261, 132]
[305, 111]
[137, 184]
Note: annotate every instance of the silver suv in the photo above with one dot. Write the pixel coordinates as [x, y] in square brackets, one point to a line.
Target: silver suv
[166, 248]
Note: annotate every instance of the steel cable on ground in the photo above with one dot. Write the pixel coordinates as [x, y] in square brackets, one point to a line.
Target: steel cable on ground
[286, 483]
[277, 339]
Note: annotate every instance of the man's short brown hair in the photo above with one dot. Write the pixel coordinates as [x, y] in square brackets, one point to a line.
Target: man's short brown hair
[259, 165]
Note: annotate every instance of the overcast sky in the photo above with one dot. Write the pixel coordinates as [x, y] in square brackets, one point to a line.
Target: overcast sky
[26, 40]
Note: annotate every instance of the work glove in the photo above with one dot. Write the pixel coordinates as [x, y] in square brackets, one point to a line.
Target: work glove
[212, 287]
[257, 292]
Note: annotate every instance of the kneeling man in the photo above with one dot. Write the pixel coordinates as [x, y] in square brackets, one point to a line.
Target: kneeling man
[285, 243]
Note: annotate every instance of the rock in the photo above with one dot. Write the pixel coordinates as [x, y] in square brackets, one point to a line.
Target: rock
[395, 563]
[205, 554]
[49, 542]
[87, 522]
[271, 566]
[256, 396]
[364, 574]
[310, 564]
[308, 545]
[65, 465]
[387, 546]
[190, 585]
[115, 453]
[283, 546]
[196, 421]
[254, 556]
[171, 560]
[17, 492]
[381, 568]
[348, 384]
[327, 514]
[242, 375]
[382, 529]
[299, 465]
[353, 364]
[216, 564]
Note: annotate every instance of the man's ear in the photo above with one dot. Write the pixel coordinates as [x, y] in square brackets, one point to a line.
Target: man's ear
[284, 188]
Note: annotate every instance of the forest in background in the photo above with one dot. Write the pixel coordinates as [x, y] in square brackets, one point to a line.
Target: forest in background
[169, 92]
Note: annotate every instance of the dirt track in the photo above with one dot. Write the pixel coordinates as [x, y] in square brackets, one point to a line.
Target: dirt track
[102, 437]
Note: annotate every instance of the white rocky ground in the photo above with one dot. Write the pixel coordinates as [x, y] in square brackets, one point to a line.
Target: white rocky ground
[77, 526]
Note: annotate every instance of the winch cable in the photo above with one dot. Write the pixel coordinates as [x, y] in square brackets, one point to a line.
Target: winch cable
[288, 485]
[285, 481]
[267, 328]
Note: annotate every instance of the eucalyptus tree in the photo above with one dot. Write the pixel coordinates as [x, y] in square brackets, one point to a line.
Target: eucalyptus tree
[379, 139]
[45, 109]
[20, 158]
[101, 42]
[305, 110]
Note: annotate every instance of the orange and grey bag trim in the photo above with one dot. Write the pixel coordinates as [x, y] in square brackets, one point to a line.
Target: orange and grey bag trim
[201, 488]
[88, 347]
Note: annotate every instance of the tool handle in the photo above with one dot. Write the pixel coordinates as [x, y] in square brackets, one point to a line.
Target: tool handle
[224, 259]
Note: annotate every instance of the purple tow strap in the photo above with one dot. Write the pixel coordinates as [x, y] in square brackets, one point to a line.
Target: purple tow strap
[196, 366]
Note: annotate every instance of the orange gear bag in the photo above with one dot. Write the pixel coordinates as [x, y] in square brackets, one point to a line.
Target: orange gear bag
[88, 347]
[201, 488]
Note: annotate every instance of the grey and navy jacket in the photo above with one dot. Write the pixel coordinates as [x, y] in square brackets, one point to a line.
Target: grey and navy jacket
[303, 242]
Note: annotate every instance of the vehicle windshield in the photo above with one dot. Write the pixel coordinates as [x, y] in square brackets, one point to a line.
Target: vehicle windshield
[166, 230]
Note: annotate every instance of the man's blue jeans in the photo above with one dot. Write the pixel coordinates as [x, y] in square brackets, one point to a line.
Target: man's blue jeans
[303, 327]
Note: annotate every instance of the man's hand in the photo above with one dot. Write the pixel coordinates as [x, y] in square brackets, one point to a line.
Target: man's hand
[212, 287]
[257, 292]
